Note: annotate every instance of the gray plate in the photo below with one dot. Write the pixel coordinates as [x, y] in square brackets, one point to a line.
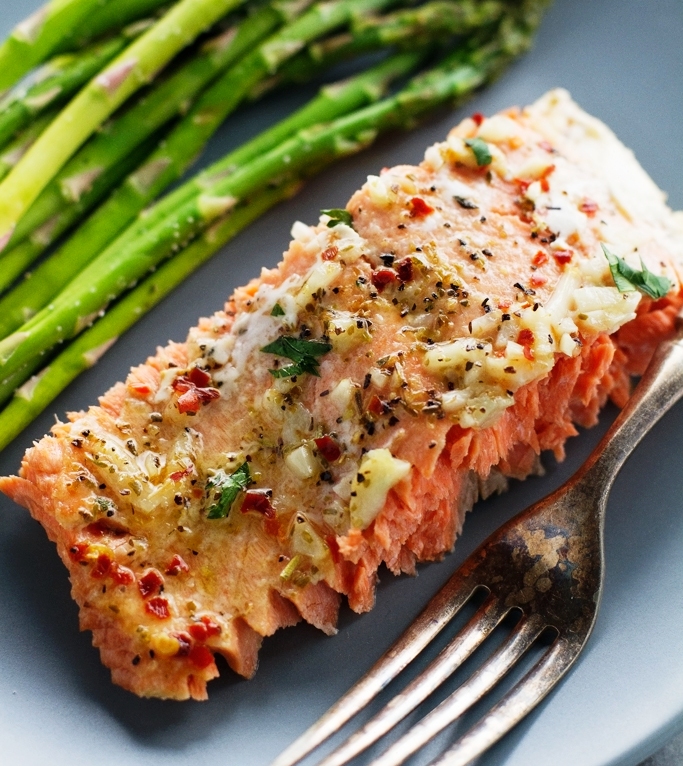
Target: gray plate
[622, 60]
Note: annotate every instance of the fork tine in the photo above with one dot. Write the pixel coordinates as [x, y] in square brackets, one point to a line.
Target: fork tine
[459, 648]
[512, 708]
[466, 695]
[437, 614]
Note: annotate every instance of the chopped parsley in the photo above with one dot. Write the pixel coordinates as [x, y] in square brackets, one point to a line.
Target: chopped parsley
[480, 150]
[337, 216]
[277, 311]
[228, 487]
[304, 353]
[628, 279]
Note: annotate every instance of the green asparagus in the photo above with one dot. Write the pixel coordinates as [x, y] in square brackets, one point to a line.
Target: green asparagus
[168, 99]
[53, 84]
[37, 36]
[15, 261]
[136, 65]
[17, 148]
[437, 20]
[56, 272]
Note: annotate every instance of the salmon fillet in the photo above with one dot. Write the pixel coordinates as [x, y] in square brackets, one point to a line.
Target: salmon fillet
[346, 409]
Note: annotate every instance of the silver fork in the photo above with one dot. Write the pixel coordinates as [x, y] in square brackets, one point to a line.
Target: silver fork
[547, 564]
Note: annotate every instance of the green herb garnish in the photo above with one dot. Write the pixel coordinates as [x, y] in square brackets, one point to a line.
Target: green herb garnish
[337, 216]
[228, 487]
[481, 151]
[277, 311]
[628, 279]
[304, 353]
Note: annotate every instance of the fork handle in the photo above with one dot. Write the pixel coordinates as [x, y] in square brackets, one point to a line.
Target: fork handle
[658, 390]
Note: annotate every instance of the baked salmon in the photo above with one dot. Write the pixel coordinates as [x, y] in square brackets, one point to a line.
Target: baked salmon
[409, 354]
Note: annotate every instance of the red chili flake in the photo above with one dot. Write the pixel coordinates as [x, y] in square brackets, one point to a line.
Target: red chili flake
[563, 256]
[523, 185]
[78, 550]
[102, 566]
[198, 631]
[545, 186]
[258, 500]
[502, 305]
[199, 377]
[404, 269]
[526, 339]
[140, 388]
[213, 628]
[537, 280]
[419, 208]
[158, 607]
[330, 254]
[589, 207]
[177, 566]
[377, 406]
[178, 475]
[548, 171]
[201, 657]
[103, 527]
[194, 391]
[540, 258]
[271, 526]
[478, 118]
[382, 277]
[122, 575]
[150, 583]
[328, 448]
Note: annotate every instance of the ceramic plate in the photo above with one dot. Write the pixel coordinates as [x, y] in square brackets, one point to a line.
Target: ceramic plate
[622, 60]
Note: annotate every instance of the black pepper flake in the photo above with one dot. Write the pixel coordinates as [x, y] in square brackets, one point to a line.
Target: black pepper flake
[465, 203]
[482, 219]
[178, 499]
[468, 366]
[136, 659]
[387, 259]
[326, 476]
[487, 253]
[366, 380]
[85, 433]
[525, 290]
[360, 478]
[325, 392]
[393, 420]
[510, 370]
[462, 243]
[447, 225]
[151, 654]
[401, 226]
[78, 443]
[505, 318]
[432, 445]
[536, 306]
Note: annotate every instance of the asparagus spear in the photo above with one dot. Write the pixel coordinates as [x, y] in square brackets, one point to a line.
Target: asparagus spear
[15, 261]
[109, 17]
[117, 267]
[54, 83]
[135, 66]
[35, 38]
[33, 397]
[166, 100]
[56, 272]
[17, 148]
[437, 20]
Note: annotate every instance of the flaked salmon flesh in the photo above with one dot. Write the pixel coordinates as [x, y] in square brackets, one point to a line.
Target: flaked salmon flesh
[347, 408]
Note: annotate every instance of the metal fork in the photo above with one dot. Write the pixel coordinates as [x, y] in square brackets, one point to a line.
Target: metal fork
[547, 564]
